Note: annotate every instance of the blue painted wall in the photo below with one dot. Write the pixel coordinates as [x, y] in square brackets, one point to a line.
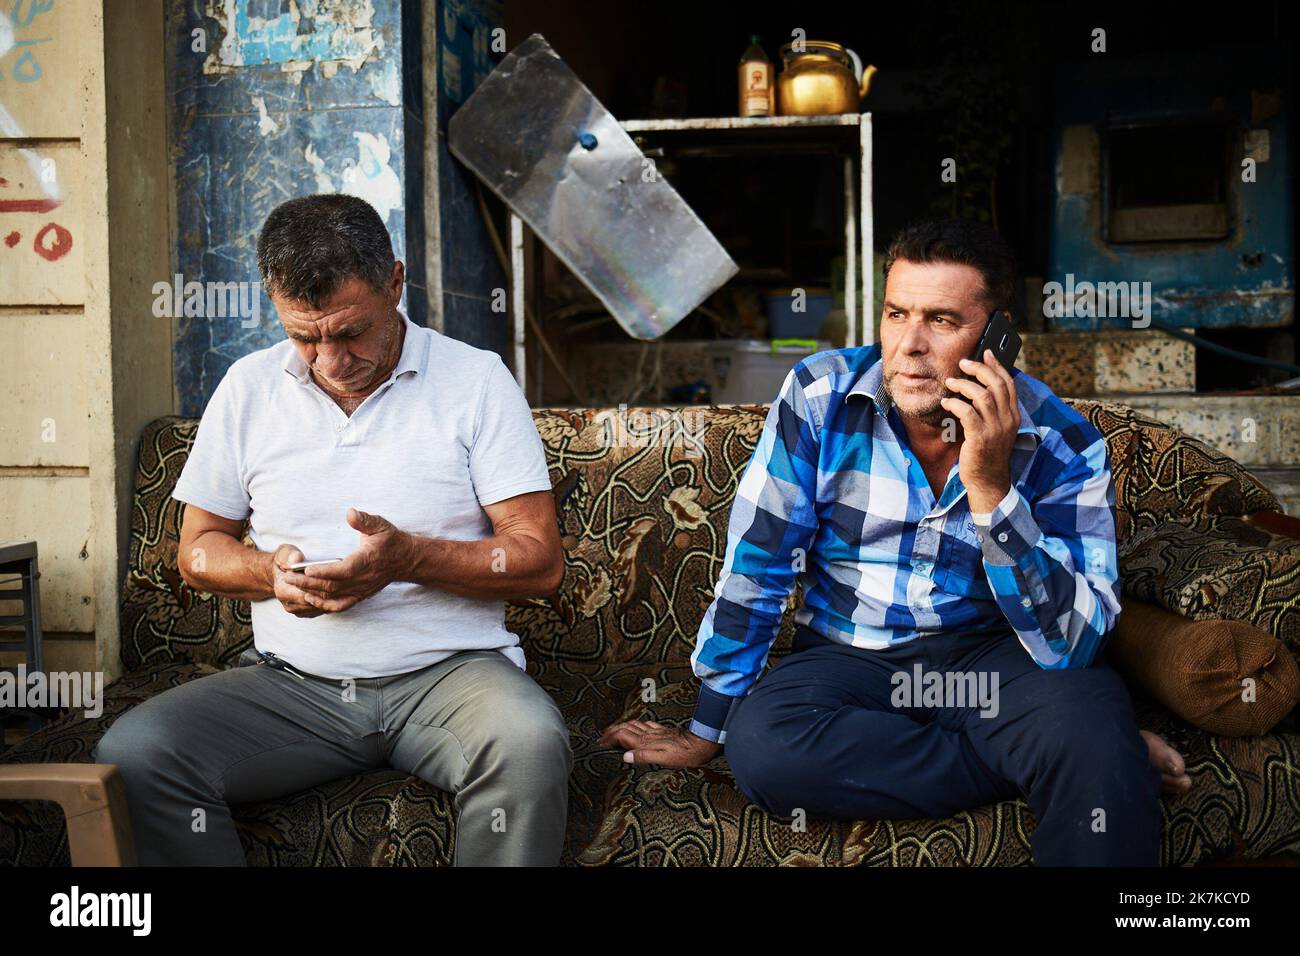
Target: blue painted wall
[470, 267]
[319, 96]
[1245, 280]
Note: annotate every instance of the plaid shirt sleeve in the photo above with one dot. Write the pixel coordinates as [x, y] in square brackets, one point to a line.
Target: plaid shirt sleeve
[771, 528]
[1053, 565]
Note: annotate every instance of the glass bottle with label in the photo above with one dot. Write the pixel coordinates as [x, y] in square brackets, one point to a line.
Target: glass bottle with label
[756, 87]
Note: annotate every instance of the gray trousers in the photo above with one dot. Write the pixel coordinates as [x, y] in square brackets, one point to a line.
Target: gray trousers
[474, 725]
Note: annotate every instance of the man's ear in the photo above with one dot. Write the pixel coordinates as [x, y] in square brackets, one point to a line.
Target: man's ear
[395, 286]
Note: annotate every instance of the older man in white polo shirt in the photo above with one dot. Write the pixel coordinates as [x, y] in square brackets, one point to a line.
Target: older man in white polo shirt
[413, 458]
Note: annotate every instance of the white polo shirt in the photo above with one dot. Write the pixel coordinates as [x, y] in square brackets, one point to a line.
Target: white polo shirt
[446, 434]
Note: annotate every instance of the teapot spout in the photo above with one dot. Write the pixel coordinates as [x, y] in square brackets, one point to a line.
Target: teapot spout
[865, 86]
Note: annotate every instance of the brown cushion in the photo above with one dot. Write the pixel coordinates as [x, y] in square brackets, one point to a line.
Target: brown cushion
[1198, 669]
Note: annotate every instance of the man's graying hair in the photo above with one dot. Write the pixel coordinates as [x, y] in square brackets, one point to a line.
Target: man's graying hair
[962, 242]
[311, 245]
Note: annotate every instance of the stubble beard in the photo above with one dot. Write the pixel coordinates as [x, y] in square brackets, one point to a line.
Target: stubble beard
[933, 414]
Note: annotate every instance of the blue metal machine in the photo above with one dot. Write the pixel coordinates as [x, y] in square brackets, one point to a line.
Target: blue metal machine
[1175, 173]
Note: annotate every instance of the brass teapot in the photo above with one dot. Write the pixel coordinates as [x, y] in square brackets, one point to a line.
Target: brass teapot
[822, 78]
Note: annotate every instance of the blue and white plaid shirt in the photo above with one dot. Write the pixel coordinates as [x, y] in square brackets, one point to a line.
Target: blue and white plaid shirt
[835, 495]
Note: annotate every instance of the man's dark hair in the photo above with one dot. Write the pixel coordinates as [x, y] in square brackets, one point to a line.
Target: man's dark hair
[965, 243]
[311, 245]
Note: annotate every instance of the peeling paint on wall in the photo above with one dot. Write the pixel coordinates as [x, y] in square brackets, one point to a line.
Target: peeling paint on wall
[372, 178]
[265, 125]
[325, 32]
[323, 182]
[369, 177]
[336, 124]
[387, 84]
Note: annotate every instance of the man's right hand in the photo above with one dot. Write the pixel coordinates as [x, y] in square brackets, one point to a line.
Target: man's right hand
[293, 598]
[644, 741]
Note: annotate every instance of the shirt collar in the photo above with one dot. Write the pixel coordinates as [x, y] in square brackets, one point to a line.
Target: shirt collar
[872, 385]
[414, 357]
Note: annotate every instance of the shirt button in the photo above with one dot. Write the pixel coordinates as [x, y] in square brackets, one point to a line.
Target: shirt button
[1002, 537]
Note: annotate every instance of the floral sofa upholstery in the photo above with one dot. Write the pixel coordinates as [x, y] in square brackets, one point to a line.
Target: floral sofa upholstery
[643, 520]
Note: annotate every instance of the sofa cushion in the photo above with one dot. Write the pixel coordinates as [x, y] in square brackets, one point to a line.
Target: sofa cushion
[377, 818]
[653, 816]
[1198, 668]
[163, 619]
[1243, 800]
[1209, 567]
[643, 501]
[1160, 471]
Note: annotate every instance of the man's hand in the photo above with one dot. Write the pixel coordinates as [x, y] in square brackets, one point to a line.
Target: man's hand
[644, 741]
[292, 597]
[989, 416]
[1170, 763]
[383, 554]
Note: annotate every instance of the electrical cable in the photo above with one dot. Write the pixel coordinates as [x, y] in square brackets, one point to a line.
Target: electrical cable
[1201, 343]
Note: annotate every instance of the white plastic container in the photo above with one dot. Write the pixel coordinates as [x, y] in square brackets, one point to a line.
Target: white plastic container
[751, 371]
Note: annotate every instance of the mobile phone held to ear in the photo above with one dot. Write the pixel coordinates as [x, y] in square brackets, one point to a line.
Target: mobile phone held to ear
[1001, 338]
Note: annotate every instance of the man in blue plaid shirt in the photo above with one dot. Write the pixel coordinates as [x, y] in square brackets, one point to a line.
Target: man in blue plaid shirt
[952, 524]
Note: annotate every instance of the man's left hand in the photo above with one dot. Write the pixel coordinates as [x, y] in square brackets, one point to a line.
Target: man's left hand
[383, 553]
[989, 413]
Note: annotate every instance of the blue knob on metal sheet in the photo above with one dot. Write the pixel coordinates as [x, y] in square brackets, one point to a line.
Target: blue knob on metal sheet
[587, 140]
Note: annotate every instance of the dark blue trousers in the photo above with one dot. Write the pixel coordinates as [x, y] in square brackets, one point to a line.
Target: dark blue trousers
[824, 731]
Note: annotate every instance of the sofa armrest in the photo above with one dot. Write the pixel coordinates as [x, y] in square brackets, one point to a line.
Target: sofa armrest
[1217, 567]
[93, 799]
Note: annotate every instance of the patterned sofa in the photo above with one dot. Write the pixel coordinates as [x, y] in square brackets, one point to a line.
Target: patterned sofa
[644, 525]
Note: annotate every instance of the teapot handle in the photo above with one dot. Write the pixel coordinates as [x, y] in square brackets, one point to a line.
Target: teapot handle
[862, 77]
[857, 64]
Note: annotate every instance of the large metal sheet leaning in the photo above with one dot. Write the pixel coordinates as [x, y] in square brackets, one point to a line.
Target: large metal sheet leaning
[625, 233]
